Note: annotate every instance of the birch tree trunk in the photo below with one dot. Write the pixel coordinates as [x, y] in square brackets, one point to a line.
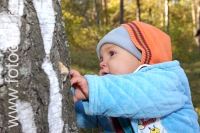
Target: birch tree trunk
[96, 12]
[197, 38]
[195, 23]
[33, 97]
[138, 10]
[104, 7]
[121, 11]
[194, 18]
[166, 16]
[198, 14]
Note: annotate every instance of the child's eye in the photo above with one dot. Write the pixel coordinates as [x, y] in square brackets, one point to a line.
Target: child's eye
[101, 59]
[112, 53]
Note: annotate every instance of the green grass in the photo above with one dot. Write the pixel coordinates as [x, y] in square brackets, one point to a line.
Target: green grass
[85, 60]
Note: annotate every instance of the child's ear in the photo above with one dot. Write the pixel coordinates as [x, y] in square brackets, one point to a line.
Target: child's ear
[63, 70]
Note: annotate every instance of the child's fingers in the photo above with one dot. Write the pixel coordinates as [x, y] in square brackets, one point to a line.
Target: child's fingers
[74, 73]
[75, 99]
[80, 83]
[76, 80]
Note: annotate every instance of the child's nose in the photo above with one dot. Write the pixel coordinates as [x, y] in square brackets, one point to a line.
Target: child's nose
[102, 64]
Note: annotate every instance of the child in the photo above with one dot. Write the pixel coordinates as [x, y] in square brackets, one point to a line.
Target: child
[139, 88]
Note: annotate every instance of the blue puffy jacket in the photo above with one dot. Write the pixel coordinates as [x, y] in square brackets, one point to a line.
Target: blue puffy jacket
[159, 91]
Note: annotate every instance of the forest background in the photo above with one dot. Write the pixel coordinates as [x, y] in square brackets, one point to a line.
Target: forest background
[87, 21]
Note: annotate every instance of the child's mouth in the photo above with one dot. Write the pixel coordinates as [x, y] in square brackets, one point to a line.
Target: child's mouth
[104, 73]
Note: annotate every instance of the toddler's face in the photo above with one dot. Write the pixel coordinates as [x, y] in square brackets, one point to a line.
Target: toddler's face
[116, 60]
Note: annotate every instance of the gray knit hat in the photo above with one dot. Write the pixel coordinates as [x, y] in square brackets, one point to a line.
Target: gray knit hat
[120, 37]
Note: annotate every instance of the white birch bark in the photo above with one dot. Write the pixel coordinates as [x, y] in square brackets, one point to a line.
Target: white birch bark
[33, 97]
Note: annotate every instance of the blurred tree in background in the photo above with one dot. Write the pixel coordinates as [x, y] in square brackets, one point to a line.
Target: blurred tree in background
[87, 21]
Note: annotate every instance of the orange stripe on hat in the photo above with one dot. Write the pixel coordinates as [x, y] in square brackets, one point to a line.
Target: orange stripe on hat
[154, 43]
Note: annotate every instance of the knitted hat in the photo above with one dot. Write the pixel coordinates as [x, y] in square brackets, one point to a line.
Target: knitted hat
[154, 44]
[120, 37]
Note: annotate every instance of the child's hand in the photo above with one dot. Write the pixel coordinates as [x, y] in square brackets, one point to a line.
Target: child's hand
[80, 85]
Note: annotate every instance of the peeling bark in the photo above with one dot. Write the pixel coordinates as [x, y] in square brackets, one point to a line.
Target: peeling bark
[24, 79]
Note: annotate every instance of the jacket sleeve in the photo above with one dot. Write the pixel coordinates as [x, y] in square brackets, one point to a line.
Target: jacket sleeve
[92, 121]
[83, 120]
[144, 94]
